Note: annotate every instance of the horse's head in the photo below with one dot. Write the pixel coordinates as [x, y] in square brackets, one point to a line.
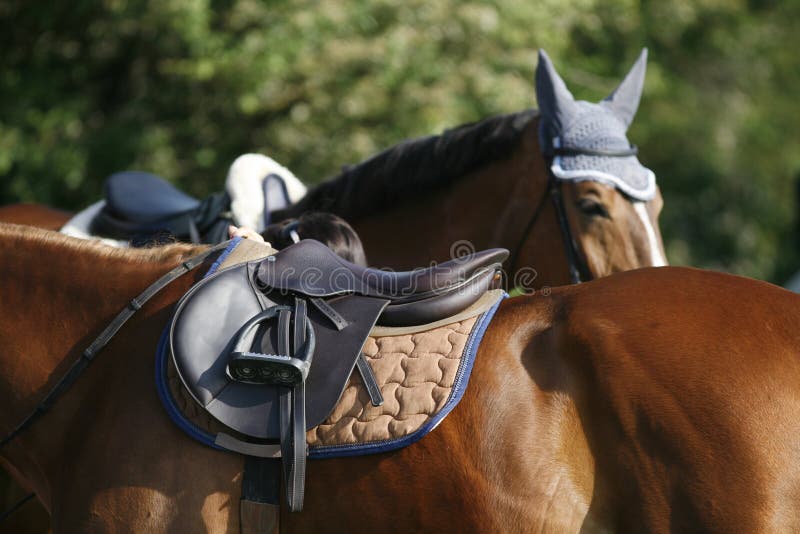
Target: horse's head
[610, 201]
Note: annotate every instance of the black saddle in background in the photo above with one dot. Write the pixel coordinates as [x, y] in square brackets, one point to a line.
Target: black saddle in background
[143, 208]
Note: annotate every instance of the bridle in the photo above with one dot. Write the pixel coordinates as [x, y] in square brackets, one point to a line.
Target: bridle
[576, 262]
[96, 346]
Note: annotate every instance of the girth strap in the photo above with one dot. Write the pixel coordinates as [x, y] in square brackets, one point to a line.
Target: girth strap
[259, 508]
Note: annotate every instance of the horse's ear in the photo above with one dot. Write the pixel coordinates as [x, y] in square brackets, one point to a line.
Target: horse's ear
[624, 101]
[556, 103]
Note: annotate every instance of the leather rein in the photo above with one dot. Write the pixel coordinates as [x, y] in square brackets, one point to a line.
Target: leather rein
[96, 346]
[576, 262]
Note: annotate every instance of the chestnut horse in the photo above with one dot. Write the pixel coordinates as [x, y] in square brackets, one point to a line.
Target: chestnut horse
[34, 215]
[563, 191]
[479, 186]
[636, 402]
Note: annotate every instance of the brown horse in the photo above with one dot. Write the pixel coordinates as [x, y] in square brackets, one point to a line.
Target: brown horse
[480, 186]
[582, 209]
[636, 402]
[34, 215]
[561, 191]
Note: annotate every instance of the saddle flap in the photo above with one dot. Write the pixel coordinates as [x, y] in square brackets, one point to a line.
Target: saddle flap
[201, 336]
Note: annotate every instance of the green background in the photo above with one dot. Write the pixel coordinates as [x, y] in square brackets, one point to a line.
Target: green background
[181, 87]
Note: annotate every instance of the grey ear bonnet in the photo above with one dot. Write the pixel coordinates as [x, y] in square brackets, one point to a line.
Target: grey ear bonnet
[567, 123]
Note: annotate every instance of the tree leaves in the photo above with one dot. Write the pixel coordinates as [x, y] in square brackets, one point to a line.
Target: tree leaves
[181, 88]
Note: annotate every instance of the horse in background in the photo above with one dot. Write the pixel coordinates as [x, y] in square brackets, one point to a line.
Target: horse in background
[587, 206]
[636, 402]
[495, 183]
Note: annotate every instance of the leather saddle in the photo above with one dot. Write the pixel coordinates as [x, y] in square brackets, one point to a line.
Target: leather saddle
[140, 206]
[267, 347]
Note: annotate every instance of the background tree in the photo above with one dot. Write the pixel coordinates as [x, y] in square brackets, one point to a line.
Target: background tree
[181, 87]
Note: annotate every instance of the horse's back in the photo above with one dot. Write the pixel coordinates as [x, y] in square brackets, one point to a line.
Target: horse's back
[687, 393]
[37, 215]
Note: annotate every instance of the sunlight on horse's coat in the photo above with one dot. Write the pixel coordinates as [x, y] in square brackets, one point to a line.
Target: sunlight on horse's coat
[148, 509]
[216, 512]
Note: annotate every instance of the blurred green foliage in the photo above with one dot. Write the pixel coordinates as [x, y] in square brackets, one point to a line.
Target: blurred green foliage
[181, 87]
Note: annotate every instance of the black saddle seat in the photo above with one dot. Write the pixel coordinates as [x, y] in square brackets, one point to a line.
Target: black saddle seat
[141, 206]
[311, 268]
[144, 197]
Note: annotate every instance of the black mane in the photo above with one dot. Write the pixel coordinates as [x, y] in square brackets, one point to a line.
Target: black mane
[414, 167]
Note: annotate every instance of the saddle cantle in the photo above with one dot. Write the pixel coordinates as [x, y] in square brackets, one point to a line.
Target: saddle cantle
[236, 331]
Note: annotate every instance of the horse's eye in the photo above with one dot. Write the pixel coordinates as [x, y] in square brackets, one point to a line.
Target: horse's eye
[592, 208]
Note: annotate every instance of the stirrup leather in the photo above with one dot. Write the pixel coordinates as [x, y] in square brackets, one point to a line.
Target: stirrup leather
[288, 372]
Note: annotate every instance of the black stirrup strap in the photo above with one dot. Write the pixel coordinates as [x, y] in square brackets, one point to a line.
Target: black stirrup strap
[293, 410]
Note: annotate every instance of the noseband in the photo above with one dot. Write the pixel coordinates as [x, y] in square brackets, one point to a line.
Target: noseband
[578, 268]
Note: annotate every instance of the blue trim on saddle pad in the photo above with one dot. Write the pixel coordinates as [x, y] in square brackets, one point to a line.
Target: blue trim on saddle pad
[224, 256]
[330, 451]
[162, 360]
[162, 353]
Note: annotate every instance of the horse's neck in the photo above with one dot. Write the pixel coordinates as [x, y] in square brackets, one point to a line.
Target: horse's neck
[490, 207]
[59, 292]
[56, 297]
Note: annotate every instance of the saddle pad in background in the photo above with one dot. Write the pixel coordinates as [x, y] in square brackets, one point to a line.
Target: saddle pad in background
[422, 373]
